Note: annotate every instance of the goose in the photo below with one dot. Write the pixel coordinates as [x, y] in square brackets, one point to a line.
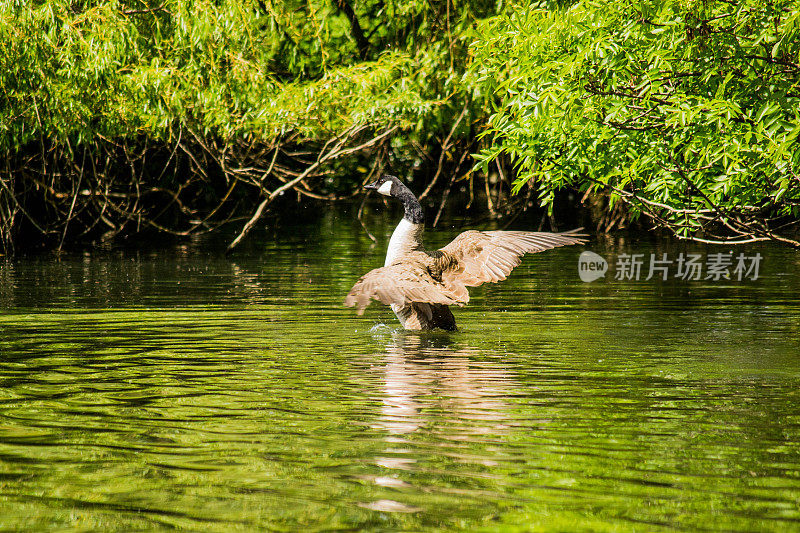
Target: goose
[420, 284]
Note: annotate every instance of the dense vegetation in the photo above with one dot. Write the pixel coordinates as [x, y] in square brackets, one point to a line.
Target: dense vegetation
[686, 111]
[181, 115]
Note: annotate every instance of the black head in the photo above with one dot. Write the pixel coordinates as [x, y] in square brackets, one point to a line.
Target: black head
[388, 185]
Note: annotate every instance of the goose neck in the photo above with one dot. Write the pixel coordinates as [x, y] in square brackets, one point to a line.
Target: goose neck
[407, 237]
[413, 209]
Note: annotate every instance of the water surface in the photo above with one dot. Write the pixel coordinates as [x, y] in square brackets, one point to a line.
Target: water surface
[171, 387]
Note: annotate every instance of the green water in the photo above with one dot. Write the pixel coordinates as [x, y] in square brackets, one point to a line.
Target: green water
[171, 387]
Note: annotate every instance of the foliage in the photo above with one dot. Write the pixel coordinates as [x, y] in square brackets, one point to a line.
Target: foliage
[107, 106]
[685, 110]
[182, 115]
[232, 68]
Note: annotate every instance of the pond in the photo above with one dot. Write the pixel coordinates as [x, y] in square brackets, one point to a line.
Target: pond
[172, 387]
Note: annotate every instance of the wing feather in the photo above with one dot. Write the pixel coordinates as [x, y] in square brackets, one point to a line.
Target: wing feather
[402, 284]
[490, 256]
[471, 259]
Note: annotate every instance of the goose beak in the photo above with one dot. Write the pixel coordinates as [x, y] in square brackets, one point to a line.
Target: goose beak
[371, 186]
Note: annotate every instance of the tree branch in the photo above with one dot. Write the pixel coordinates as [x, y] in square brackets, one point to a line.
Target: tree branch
[355, 27]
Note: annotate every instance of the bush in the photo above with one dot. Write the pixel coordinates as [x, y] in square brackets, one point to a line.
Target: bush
[687, 111]
[121, 112]
[181, 115]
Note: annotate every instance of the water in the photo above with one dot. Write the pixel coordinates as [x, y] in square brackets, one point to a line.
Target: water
[171, 387]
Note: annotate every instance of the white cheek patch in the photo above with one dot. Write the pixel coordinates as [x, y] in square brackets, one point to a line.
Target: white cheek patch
[386, 188]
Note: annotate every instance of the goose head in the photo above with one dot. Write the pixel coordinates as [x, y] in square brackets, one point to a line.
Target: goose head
[388, 185]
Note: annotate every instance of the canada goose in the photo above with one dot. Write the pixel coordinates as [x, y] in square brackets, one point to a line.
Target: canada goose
[419, 284]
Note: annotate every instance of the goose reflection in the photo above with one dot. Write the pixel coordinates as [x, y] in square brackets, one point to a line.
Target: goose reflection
[437, 401]
[430, 386]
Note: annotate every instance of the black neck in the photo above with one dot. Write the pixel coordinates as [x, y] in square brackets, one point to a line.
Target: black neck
[413, 209]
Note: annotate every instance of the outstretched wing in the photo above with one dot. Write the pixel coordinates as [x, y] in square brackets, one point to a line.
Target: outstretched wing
[481, 256]
[401, 284]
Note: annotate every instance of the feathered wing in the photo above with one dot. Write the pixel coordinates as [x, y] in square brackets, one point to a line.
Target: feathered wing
[472, 258]
[401, 284]
[490, 256]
